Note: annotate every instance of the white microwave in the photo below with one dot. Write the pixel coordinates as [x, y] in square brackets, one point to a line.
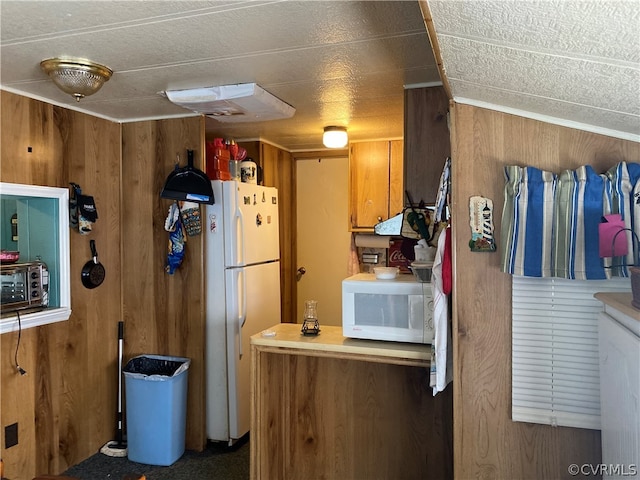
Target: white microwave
[398, 310]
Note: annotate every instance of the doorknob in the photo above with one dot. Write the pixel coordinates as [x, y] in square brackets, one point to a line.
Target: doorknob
[301, 271]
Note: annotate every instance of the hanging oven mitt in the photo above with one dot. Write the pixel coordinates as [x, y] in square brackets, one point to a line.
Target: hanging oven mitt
[87, 213]
[82, 210]
[191, 218]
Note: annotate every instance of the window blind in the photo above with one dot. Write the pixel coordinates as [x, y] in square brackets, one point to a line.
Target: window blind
[555, 362]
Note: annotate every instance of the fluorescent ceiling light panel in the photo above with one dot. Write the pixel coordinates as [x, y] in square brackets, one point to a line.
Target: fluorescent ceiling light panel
[244, 102]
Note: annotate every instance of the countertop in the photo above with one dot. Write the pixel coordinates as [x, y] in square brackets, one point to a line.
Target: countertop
[621, 301]
[331, 343]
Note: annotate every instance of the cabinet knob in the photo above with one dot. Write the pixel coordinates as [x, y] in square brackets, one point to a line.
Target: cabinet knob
[379, 218]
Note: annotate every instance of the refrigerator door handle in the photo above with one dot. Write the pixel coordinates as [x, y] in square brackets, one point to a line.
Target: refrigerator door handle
[240, 242]
[242, 311]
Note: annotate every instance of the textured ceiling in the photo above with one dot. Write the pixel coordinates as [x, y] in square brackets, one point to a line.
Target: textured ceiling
[337, 62]
[572, 62]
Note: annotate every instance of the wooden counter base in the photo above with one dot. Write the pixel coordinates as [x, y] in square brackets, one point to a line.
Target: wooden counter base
[321, 413]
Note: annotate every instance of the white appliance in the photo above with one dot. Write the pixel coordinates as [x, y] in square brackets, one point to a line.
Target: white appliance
[242, 252]
[399, 310]
[619, 343]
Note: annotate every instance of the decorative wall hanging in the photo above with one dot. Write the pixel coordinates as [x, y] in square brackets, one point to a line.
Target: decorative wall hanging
[82, 210]
[481, 222]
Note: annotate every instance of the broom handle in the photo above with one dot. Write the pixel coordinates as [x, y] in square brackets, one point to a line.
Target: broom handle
[120, 344]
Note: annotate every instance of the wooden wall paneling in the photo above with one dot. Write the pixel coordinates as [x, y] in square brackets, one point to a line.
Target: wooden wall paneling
[284, 173]
[142, 248]
[92, 153]
[164, 314]
[17, 401]
[26, 125]
[426, 141]
[65, 405]
[29, 124]
[487, 444]
[253, 151]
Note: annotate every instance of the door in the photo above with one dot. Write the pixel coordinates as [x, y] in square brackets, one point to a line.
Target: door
[323, 236]
[253, 305]
[251, 224]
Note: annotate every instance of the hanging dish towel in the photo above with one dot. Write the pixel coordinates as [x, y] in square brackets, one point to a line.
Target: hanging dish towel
[441, 356]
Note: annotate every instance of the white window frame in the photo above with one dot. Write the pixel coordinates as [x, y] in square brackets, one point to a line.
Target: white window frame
[9, 322]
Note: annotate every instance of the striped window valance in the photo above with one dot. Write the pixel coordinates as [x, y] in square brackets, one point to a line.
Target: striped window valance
[550, 222]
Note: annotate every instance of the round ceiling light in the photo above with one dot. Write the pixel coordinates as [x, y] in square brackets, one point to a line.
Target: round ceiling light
[76, 76]
[335, 137]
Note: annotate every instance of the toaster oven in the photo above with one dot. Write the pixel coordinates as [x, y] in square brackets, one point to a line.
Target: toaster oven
[24, 286]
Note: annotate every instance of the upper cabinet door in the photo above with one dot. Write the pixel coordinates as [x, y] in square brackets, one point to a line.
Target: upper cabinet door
[375, 183]
[396, 173]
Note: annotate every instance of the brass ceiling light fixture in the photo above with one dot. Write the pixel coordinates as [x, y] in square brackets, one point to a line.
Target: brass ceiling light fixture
[335, 137]
[76, 76]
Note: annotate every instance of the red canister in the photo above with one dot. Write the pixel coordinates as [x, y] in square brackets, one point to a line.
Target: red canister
[217, 161]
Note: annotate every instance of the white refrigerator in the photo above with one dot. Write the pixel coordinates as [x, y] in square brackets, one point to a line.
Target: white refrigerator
[242, 253]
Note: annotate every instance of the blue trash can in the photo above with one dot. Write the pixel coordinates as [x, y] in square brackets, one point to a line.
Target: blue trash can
[156, 408]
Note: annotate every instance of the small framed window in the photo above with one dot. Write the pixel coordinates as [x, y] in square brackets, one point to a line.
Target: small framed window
[35, 225]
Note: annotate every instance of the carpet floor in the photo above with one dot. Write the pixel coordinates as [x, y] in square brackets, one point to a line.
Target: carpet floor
[217, 461]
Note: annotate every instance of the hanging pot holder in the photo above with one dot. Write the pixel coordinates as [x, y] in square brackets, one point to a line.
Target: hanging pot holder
[191, 218]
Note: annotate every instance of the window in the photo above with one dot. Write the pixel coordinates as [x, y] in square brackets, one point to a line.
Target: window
[35, 222]
[555, 364]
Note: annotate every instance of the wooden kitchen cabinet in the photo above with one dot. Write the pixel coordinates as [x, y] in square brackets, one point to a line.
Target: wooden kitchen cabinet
[375, 182]
[427, 142]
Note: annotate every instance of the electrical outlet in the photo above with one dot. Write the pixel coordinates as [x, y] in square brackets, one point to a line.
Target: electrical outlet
[10, 435]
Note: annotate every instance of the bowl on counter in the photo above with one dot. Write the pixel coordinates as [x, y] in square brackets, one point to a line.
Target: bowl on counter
[386, 273]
